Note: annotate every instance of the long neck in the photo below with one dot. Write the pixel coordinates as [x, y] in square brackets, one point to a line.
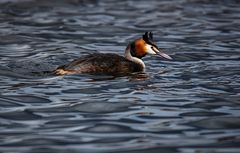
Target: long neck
[131, 58]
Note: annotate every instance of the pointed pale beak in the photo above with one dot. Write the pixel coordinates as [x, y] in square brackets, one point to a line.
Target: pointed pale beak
[161, 53]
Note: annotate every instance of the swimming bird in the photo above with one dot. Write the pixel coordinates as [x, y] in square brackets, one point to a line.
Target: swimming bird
[114, 64]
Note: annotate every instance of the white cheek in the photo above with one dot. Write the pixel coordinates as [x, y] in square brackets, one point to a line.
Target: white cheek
[150, 50]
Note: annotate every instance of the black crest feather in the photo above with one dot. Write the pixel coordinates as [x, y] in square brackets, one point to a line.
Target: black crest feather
[148, 38]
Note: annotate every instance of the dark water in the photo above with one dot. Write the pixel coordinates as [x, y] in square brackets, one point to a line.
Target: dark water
[189, 105]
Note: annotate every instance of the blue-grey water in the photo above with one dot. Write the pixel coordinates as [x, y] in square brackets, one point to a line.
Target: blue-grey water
[190, 104]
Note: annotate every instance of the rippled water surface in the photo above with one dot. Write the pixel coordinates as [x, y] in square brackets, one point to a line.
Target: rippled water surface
[189, 105]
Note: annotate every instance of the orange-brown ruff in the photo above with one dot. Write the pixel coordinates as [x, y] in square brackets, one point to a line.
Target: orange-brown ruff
[113, 64]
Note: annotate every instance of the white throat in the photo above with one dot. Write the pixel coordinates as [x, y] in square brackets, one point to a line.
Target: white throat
[131, 58]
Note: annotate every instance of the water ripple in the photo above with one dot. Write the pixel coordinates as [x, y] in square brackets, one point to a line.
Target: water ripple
[189, 104]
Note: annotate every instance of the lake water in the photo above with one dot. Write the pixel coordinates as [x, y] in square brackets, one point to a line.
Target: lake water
[190, 104]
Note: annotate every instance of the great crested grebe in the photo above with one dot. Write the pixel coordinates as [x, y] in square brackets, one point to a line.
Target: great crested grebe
[113, 64]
